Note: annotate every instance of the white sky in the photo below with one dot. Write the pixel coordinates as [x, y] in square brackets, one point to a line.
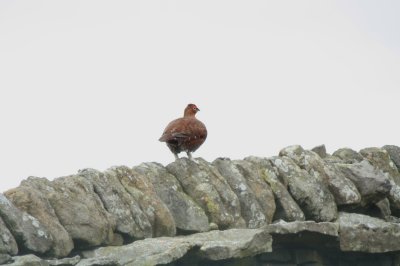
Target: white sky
[94, 83]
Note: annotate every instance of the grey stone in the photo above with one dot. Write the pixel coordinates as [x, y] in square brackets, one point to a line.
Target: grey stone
[8, 245]
[380, 159]
[394, 153]
[372, 183]
[284, 228]
[348, 155]
[363, 233]
[234, 243]
[187, 214]
[205, 185]
[130, 219]
[65, 261]
[286, 207]
[214, 245]
[384, 208]
[344, 191]
[262, 191]
[5, 258]
[100, 262]
[31, 197]
[28, 260]
[310, 193]
[81, 211]
[29, 233]
[142, 190]
[320, 150]
[251, 209]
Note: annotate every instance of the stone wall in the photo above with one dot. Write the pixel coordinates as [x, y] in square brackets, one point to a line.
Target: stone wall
[303, 207]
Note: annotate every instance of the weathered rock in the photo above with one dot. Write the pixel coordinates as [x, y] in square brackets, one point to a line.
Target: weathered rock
[323, 228]
[286, 207]
[380, 159]
[363, 233]
[214, 245]
[320, 150]
[29, 233]
[130, 219]
[100, 262]
[394, 153]
[81, 211]
[234, 243]
[141, 189]
[8, 245]
[187, 214]
[309, 192]
[28, 260]
[210, 190]
[372, 183]
[65, 262]
[251, 209]
[344, 191]
[305, 234]
[263, 192]
[348, 155]
[5, 258]
[30, 197]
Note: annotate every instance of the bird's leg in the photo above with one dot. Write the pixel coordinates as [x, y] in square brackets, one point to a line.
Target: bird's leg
[189, 155]
[176, 156]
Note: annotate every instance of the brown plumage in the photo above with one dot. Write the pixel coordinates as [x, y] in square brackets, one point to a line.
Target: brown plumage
[185, 133]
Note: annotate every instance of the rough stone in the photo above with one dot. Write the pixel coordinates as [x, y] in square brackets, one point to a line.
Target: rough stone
[81, 211]
[262, 191]
[30, 197]
[214, 245]
[5, 258]
[320, 150]
[140, 188]
[323, 228]
[372, 183]
[234, 243]
[344, 191]
[28, 232]
[394, 153]
[100, 262]
[210, 190]
[363, 233]
[384, 208]
[286, 207]
[310, 193]
[28, 260]
[380, 159]
[65, 262]
[348, 155]
[129, 217]
[187, 214]
[251, 209]
[8, 245]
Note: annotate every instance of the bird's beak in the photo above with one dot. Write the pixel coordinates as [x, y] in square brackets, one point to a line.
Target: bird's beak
[197, 109]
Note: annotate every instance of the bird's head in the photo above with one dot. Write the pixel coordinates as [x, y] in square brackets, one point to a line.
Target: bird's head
[191, 110]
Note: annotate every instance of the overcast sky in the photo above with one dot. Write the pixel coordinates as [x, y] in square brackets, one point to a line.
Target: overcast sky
[92, 84]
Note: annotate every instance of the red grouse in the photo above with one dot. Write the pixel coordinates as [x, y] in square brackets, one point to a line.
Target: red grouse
[186, 133]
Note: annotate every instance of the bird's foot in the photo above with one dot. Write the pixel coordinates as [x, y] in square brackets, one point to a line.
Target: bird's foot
[189, 154]
[176, 156]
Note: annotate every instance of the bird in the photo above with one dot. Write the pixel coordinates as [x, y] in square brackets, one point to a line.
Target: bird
[185, 134]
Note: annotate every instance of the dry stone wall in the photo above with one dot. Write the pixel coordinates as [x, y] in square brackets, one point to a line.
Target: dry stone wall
[302, 207]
